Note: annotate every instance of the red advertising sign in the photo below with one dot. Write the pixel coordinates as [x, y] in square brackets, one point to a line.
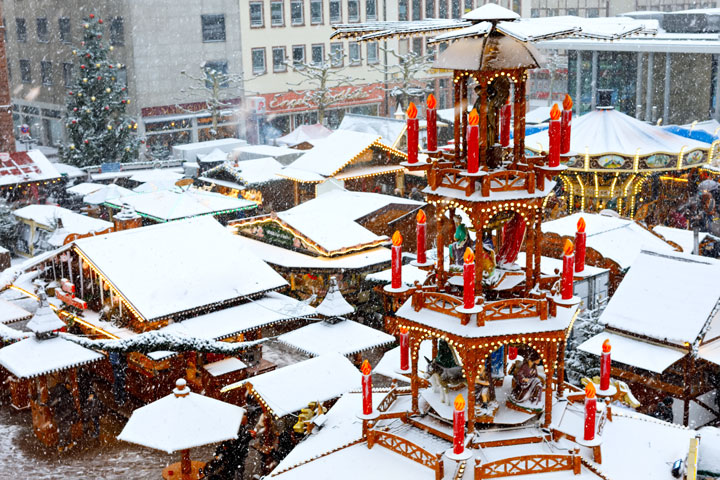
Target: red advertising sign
[346, 95]
[70, 299]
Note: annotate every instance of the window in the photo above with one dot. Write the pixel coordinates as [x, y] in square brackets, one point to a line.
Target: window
[64, 27]
[429, 8]
[468, 5]
[572, 12]
[296, 12]
[279, 59]
[298, 55]
[372, 52]
[46, 73]
[534, 13]
[337, 53]
[217, 69]
[429, 48]
[21, 29]
[417, 46]
[43, 34]
[371, 9]
[117, 31]
[593, 12]
[402, 10]
[416, 9]
[456, 10]
[354, 49]
[335, 11]
[316, 12]
[67, 75]
[256, 15]
[213, 28]
[353, 11]
[443, 9]
[276, 14]
[25, 73]
[318, 53]
[258, 61]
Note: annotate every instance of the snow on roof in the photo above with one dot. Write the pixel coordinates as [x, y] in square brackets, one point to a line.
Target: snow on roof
[167, 205]
[155, 186]
[33, 357]
[287, 258]
[490, 11]
[289, 389]
[177, 423]
[633, 351]
[618, 239]
[9, 333]
[709, 457]
[305, 133]
[258, 170]
[345, 337]
[186, 265]
[680, 236]
[156, 174]
[85, 188]
[47, 215]
[330, 219]
[389, 129]
[283, 154]
[666, 296]
[269, 309]
[300, 175]
[334, 152]
[334, 304]
[70, 171]
[45, 320]
[10, 312]
[106, 193]
[410, 275]
[538, 115]
[549, 265]
[389, 364]
[23, 167]
[226, 365]
[216, 155]
[610, 131]
[710, 352]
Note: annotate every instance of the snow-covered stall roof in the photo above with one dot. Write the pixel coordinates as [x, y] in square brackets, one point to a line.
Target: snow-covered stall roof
[680, 236]
[45, 320]
[345, 337]
[665, 296]
[107, 193]
[271, 308]
[247, 172]
[634, 351]
[618, 239]
[289, 389]
[283, 155]
[610, 131]
[549, 266]
[23, 167]
[70, 171]
[390, 130]
[47, 216]
[167, 205]
[191, 151]
[305, 133]
[12, 334]
[710, 352]
[216, 155]
[410, 275]
[33, 357]
[176, 423]
[156, 174]
[185, 265]
[389, 364]
[10, 312]
[337, 150]
[85, 188]
[334, 304]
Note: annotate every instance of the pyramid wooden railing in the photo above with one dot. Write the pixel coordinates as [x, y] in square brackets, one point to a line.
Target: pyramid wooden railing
[527, 465]
[408, 450]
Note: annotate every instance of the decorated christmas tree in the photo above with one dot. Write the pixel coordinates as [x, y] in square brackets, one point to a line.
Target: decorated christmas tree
[97, 127]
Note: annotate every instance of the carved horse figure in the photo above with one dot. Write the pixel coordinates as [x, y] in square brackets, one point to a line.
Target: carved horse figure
[444, 378]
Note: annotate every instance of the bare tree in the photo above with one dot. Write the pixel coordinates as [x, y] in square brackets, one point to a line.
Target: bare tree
[404, 72]
[321, 79]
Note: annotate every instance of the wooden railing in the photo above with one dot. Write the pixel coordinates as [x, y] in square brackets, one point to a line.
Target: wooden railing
[451, 178]
[508, 180]
[527, 465]
[389, 399]
[408, 450]
[439, 302]
[513, 308]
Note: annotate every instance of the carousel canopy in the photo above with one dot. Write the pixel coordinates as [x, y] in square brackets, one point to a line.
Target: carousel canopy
[182, 420]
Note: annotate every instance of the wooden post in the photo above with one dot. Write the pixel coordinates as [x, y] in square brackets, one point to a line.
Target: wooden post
[538, 249]
[561, 368]
[69, 261]
[549, 370]
[439, 240]
[458, 126]
[102, 292]
[483, 126]
[185, 464]
[478, 256]
[520, 118]
[82, 279]
[687, 390]
[529, 252]
[414, 379]
[296, 189]
[471, 372]
[464, 103]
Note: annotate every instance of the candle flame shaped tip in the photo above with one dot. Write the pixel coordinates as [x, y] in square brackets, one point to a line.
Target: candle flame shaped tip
[421, 217]
[567, 102]
[555, 112]
[397, 239]
[469, 256]
[365, 367]
[459, 402]
[411, 111]
[431, 101]
[473, 118]
[403, 330]
[590, 390]
[568, 248]
[606, 346]
[581, 225]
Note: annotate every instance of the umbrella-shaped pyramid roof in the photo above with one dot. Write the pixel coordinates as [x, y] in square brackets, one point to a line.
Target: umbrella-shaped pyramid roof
[182, 420]
[106, 193]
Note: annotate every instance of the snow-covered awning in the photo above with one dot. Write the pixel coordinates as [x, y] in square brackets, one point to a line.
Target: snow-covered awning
[304, 133]
[289, 389]
[710, 352]
[346, 337]
[226, 365]
[48, 216]
[10, 312]
[216, 155]
[23, 167]
[684, 238]
[106, 193]
[33, 357]
[634, 351]
[144, 176]
[85, 188]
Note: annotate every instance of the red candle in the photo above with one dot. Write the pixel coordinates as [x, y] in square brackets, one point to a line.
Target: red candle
[469, 279]
[473, 142]
[404, 349]
[512, 353]
[590, 411]
[366, 387]
[554, 137]
[396, 260]
[459, 425]
[566, 124]
[505, 115]
[580, 238]
[420, 230]
[431, 117]
[412, 133]
[566, 285]
[605, 366]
